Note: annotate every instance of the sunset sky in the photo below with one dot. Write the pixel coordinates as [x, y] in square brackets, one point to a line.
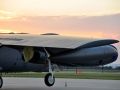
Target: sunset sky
[85, 18]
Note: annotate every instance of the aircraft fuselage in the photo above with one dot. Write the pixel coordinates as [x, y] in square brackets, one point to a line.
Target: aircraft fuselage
[12, 59]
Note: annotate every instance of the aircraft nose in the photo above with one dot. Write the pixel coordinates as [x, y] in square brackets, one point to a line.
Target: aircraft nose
[115, 55]
[114, 52]
[111, 54]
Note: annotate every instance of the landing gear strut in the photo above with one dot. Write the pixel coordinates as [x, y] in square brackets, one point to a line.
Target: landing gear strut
[49, 78]
[1, 82]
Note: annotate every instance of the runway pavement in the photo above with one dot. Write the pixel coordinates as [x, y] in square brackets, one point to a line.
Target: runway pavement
[61, 84]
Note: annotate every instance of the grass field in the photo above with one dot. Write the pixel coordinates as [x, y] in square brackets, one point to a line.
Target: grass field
[82, 75]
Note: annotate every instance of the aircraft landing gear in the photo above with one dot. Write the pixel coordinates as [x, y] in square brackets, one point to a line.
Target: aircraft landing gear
[49, 78]
[1, 82]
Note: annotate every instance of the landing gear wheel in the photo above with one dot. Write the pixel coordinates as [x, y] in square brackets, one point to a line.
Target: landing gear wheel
[49, 80]
[1, 82]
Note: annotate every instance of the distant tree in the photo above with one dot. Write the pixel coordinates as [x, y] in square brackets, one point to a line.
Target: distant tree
[118, 68]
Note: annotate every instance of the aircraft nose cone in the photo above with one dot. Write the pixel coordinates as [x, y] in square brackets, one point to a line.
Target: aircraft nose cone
[115, 55]
[111, 54]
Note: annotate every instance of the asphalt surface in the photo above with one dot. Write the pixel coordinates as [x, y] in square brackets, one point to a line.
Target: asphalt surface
[61, 84]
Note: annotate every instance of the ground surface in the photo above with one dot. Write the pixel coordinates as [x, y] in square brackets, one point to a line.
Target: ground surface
[61, 84]
[68, 74]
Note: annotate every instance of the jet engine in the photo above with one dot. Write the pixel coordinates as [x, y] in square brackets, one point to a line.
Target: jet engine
[88, 56]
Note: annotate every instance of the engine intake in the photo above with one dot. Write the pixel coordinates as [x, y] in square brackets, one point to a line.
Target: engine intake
[34, 56]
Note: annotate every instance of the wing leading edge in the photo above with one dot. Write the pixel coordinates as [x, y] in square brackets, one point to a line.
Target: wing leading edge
[56, 41]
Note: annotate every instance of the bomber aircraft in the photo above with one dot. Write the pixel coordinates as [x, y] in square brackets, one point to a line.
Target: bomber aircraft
[37, 53]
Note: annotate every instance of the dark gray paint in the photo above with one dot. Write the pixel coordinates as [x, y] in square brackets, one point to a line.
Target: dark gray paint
[88, 56]
[11, 59]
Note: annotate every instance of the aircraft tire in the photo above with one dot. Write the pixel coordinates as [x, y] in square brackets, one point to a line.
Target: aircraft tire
[1, 82]
[49, 81]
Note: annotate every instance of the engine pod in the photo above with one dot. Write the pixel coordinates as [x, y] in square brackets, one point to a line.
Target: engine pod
[88, 56]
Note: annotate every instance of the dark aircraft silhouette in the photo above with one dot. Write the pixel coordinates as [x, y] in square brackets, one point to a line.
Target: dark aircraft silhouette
[37, 53]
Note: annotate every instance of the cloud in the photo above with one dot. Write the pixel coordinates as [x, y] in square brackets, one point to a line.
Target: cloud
[6, 15]
[108, 25]
[5, 31]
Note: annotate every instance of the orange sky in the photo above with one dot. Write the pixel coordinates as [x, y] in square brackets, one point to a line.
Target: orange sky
[15, 16]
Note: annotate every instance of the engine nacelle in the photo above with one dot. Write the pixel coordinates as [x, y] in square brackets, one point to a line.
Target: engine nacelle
[9, 57]
[12, 60]
[88, 56]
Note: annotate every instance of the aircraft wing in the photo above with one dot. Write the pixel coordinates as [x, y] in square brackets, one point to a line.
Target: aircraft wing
[52, 41]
